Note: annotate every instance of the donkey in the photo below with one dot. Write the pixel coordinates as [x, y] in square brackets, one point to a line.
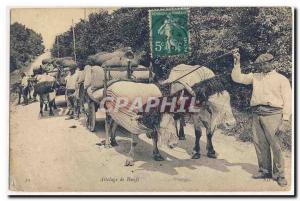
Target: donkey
[213, 102]
[47, 92]
[155, 124]
[47, 99]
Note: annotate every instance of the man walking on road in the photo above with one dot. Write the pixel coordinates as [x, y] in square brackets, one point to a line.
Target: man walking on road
[71, 82]
[271, 103]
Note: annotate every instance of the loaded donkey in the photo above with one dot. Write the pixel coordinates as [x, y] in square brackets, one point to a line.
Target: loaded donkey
[213, 103]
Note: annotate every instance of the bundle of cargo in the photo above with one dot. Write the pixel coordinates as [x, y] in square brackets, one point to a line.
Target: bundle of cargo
[44, 87]
[48, 67]
[96, 95]
[121, 62]
[87, 76]
[65, 62]
[53, 73]
[101, 57]
[117, 75]
[37, 70]
[45, 84]
[141, 74]
[94, 77]
[48, 60]
[68, 63]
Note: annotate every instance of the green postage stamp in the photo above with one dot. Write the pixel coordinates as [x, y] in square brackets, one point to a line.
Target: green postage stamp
[169, 34]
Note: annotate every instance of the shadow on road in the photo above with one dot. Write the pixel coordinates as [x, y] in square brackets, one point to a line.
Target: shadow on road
[144, 150]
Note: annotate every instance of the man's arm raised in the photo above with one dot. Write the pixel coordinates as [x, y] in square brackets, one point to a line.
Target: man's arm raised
[236, 73]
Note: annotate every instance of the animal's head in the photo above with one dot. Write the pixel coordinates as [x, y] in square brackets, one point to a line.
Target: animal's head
[167, 134]
[206, 88]
[163, 123]
[221, 110]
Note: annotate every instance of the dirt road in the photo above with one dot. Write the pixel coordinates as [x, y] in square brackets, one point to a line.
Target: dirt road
[48, 155]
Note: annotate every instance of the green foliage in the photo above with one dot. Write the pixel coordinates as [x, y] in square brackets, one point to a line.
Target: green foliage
[25, 45]
[213, 31]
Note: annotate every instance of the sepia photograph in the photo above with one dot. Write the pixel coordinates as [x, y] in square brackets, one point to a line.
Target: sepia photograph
[152, 101]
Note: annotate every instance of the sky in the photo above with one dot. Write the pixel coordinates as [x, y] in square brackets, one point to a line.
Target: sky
[50, 21]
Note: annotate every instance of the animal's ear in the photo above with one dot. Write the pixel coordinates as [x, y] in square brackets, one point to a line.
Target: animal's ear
[201, 95]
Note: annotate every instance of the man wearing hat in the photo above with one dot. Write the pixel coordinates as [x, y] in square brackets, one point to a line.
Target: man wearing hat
[71, 86]
[271, 103]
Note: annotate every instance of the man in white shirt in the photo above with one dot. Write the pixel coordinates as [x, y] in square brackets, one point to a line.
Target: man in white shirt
[71, 86]
[272, 104]
[78, 93]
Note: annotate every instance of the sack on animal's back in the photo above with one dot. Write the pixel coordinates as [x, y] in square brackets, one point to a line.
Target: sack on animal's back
[121, 62]
[87, 76]
[97, 77]
[45, 78]
[81, 76]
[133, 90]
[66, 62]
[48, 61]
[190, 78]
[141, 74]
[53, 74]
[95, 95]
[48, 67]
[117, 75]
[44, 87]
[101, 57]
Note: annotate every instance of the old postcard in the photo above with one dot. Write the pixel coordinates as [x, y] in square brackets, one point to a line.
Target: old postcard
[152, 101]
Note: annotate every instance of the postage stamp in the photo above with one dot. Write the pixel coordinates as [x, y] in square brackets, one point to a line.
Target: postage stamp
[169, 32]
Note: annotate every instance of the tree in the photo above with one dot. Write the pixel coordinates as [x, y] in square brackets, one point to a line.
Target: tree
[25, 45]
[213, 31]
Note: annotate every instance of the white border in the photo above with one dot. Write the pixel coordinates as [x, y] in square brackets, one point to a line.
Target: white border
[4, 73]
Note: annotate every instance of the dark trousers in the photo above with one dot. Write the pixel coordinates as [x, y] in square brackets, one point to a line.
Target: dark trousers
[24, 92]
[72, 102]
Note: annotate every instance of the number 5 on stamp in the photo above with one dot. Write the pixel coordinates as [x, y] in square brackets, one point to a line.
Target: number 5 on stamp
[169, 33]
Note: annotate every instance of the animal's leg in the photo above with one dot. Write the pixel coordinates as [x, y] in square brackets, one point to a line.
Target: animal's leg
[130, 159]
[19, 96]
[107, 131]
[54, 105]
[46, 107]
[156, 154]
[181, 129]
[196, 150]
[41, 107]
[29, 93]
[34, 95]
[50, 108]
[113, 141]
[24, 94]
[209, 146]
